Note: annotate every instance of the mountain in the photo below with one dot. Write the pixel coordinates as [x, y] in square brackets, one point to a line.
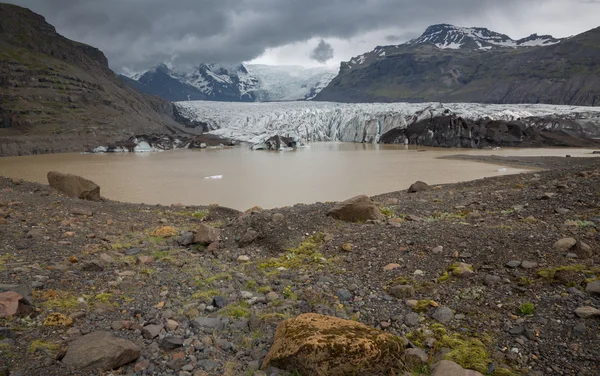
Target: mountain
[58, 95]
[289, 82]
[454, 64]
[238, 83]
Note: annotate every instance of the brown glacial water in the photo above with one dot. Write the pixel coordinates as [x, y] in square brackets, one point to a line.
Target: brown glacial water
[324, 172]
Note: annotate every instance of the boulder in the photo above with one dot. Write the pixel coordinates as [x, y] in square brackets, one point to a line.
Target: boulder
[564, 245]
[100, 350]
[74, 186]
[313, 344]
[207, 235]
[402, 291]
[357, 209]
[587, 312]
[419, 186]
[15, 300]
[448, 368]
[593, 288]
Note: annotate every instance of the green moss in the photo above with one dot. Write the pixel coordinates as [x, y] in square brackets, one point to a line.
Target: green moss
[237, 311]
[209, 280]
[59, 300]
[422, 305]
[104, 298]
[387, 212]
[265, 289]
[304, 254]
[549, 273]
[201, 214]
[38, 344]
[205, 296]
[524, 281]
[444, 277]
[527, 309]
[159, 255]
[470, 353]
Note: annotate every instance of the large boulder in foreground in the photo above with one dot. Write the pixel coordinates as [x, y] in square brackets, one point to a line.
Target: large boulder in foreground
[74, 186]
[100, 350]
[357, 209]
[313, 344]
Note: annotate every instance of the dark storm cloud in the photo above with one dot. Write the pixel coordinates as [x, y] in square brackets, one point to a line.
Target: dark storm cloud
[323, 52]
[141, 33]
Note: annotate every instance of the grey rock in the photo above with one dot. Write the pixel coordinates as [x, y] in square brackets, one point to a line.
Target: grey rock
[151, 331]
[415, 357]
[513, 264]
[412, 319]
[208, 365]
[278, 217]
[593, 288]
[219, 302]
[529, 264]
[207, 235]
[185, 239]
[23, 289]
[171, 343]
[418, 186]
[443, 314]
[579, 329]
[100, 350]
[402, 291]
[92, 266]
[564, 245]
[587, 312]
[7, 333]
[517, 330]
[357, 209]
[492, 280]
[344, 295]
[207, 324]
[248, 238]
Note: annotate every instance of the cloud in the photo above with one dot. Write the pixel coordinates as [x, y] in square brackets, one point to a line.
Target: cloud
[323, 52]
[138, 34]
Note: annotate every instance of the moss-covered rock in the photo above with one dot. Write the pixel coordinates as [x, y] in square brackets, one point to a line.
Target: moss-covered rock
[313, 344]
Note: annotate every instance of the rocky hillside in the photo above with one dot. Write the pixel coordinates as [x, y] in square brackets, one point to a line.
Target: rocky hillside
[451, 64]
[58, 95]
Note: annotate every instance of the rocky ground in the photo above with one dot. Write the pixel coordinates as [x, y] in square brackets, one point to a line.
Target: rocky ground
[499, 275]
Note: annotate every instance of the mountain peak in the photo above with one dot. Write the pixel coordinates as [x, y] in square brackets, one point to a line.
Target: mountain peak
[446, 36]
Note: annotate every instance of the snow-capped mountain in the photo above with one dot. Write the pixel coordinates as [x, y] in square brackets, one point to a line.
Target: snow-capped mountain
[461, 64]
[234, 83]
[289, 82]
[370, 122]
[454, 37]
[445, 36]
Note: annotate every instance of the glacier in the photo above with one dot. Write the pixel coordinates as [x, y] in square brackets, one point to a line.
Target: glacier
[368, 122]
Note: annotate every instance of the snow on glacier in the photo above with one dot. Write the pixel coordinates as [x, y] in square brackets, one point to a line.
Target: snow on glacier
[353, 122]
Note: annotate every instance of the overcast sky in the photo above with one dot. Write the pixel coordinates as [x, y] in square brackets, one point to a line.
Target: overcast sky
[138, 34]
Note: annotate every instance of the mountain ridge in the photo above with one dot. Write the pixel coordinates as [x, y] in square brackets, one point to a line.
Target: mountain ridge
[59, 95]
[563, 72]
[235, 83]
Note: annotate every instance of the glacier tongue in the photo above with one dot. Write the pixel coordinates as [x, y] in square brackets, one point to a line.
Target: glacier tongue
[364, 122]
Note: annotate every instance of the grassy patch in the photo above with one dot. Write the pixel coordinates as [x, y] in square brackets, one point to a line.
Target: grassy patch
[550, 273]
[38, 344]
[388, 212]
[205, 296]
[237, 311]
[304, 254]
[209, 280]
[201, 214]
[527, 309]
[56, 300]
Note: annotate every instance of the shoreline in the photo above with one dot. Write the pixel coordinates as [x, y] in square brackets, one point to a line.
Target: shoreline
[116, 267]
